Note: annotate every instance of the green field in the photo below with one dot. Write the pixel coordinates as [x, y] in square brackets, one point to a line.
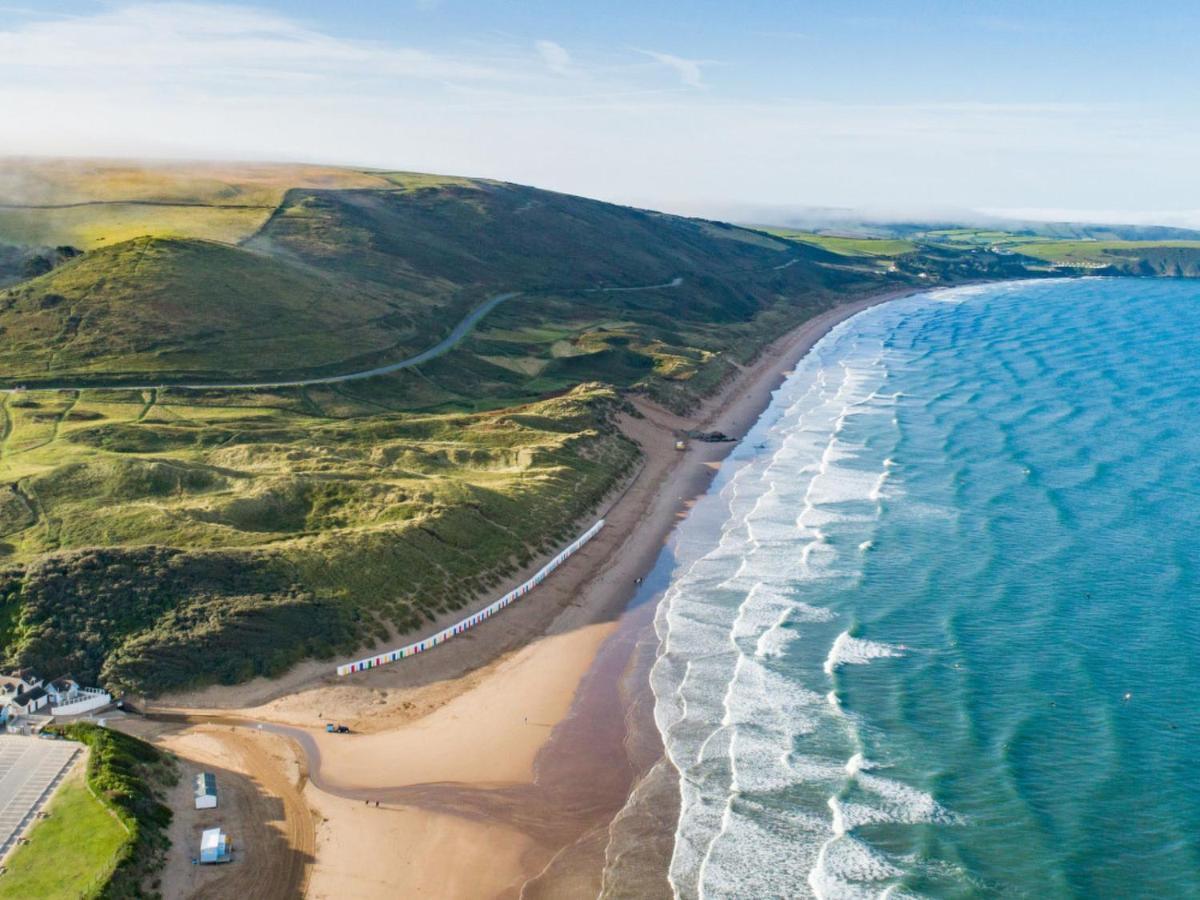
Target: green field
[71, 853]
[96, 203]
[846, 246]
[1040, 252]
[106, 831]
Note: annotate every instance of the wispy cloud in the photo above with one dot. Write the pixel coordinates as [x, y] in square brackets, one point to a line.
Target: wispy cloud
[198, 40]
[195, 80]
[688, 70]
[555, 56]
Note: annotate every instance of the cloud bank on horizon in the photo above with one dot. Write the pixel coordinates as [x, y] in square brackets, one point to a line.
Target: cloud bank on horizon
[699, 113]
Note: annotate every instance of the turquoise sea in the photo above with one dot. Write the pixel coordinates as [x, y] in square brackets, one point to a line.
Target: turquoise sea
[935, 630]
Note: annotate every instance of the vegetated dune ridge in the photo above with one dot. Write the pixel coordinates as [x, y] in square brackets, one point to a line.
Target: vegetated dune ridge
[456, 744]
[159, 539]
[156, 539]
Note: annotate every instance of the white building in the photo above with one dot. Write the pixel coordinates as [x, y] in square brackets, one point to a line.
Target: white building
[206, 791]
[23, 693]
[215, 847]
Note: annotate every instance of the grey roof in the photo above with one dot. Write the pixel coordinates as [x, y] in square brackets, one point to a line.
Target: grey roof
[27, 697]
[206, 783]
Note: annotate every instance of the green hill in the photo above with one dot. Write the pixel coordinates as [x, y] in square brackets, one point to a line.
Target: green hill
[154, 538]
[340, 281]
[176, 309]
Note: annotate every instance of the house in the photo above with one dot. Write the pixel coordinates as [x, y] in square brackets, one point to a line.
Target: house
[215, 847]
[206, 791]
[62, 691]
[18, 682]
[23, 692]
[30, 701]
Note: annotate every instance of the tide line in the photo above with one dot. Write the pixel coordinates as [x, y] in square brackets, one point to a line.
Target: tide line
[474, 619]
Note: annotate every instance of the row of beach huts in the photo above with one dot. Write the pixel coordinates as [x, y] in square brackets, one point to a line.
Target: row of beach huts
[474, 619]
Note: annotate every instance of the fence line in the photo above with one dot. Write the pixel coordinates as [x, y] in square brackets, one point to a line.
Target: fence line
[474, 619]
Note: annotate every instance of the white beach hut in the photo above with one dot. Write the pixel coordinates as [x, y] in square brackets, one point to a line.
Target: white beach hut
[214, 847]
[206, 791]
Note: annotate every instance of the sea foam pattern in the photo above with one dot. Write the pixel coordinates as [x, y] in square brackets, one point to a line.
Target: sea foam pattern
[933, 631]
[749, 733]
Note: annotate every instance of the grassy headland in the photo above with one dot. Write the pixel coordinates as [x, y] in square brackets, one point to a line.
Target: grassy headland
[160, 539]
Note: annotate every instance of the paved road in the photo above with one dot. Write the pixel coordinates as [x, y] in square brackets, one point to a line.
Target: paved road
[447, 343]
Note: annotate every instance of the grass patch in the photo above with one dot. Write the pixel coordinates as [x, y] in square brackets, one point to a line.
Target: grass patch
[846, 246]
[129, 776]
[73, 853]
[106, 834]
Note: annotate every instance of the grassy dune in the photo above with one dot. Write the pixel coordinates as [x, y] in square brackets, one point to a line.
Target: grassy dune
[154, 541]
[160, 539]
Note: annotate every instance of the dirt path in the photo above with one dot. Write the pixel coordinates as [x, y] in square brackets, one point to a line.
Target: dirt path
[261, 807]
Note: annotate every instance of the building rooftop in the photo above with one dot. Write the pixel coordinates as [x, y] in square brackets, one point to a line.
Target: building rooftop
[26, 697]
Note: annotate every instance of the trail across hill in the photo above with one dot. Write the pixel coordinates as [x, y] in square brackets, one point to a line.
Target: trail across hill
[461, 330]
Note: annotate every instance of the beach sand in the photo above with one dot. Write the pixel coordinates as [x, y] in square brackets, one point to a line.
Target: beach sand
[500, 759]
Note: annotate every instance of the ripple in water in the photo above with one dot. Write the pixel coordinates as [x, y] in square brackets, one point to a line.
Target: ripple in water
[931, 632]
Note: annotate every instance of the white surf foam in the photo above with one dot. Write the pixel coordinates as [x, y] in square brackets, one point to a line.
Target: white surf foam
[736, 728]
[852, 651]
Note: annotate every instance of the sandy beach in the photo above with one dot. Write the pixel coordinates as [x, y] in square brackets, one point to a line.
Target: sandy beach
[515, 736]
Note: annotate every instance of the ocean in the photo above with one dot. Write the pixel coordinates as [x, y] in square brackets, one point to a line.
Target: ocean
[935, 631]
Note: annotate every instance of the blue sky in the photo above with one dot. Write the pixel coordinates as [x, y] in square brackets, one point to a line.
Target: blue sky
[1047, 109]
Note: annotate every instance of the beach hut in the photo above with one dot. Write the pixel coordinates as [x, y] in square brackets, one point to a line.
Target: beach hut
[205, 791]
[214, 847]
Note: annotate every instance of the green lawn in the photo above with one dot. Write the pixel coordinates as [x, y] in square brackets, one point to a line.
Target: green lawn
[847, 246]
[1097, 251]
[69, 854]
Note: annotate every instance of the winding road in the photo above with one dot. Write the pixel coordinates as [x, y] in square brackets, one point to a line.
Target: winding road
[461, 330]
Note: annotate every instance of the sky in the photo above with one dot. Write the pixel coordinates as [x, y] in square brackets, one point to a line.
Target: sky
[1047, 110]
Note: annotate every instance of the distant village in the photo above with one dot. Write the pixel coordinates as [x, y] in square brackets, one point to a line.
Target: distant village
[28, 702]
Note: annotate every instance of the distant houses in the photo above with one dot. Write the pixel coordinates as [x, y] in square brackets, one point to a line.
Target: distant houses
[23, 693]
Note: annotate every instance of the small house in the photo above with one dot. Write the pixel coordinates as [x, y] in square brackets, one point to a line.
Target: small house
[62, 691]
[18, 682]
[215, 847]
[206, 791]
[29, 701]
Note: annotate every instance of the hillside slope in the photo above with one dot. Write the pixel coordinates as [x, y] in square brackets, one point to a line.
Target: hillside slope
[174, 308]
[346, 280]
[159, 538]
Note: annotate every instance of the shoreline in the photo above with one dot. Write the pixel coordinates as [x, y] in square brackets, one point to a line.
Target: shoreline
[506, 734]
